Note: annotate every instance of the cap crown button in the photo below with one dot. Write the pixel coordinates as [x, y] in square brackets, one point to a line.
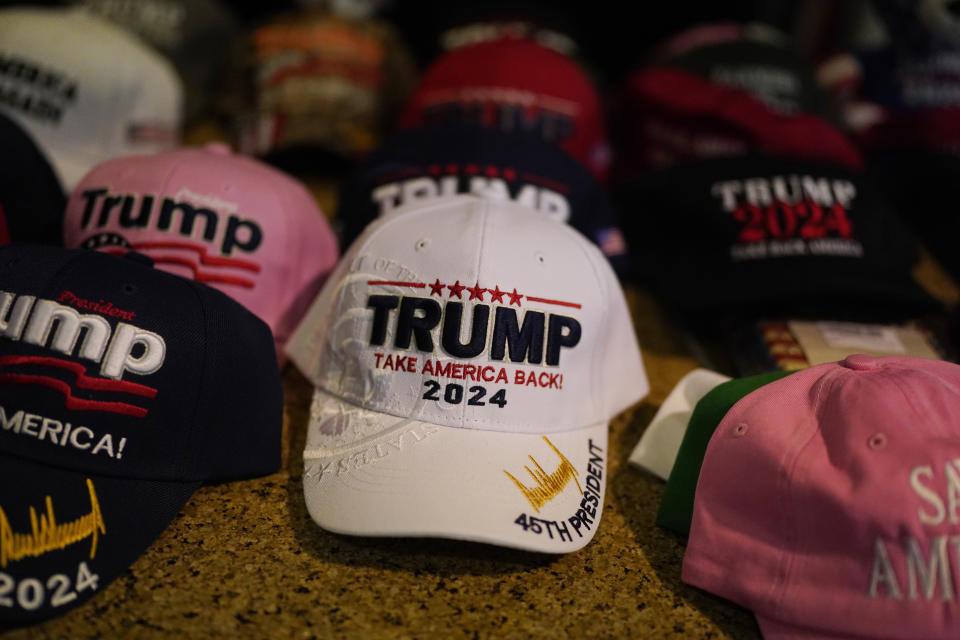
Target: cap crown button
[217, 148]
[859, 362]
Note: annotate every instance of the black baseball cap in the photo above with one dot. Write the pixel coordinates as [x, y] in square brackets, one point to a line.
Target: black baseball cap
[732, 239]
[122, 390]
[757, 58]
[31, 198]
[417, 165]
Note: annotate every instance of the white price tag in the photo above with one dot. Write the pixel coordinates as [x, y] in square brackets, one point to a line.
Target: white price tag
[861, 336]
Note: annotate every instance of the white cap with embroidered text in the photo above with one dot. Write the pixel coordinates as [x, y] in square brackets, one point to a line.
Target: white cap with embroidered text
[86, 90]
[468, 356]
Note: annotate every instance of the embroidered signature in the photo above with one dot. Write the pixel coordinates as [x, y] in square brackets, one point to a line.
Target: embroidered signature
[47, 535]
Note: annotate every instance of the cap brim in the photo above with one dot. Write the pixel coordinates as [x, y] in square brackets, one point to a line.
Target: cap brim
[537, 492]
[775, 630]
[660, 442]
[65, 535]
[855, 297]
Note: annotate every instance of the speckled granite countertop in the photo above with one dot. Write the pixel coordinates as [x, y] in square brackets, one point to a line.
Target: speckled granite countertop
[244, 560]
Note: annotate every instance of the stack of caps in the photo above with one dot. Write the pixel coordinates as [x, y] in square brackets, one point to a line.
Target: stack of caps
[313, 81]
[515, 85]
[55, 83]
[122, 390]
[225, 220]
[724, 90]
[756, 240]
[487, 120]
[471, 347]
[468, 355]
[825, 500]
[902, 100]
[417, 166]
[902, 93]
[472, 23]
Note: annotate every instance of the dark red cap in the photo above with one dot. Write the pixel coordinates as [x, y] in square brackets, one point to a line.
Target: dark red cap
[513, 84]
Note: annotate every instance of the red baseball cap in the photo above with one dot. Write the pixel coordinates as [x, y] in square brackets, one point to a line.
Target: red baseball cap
[519, 86]
[676, 116]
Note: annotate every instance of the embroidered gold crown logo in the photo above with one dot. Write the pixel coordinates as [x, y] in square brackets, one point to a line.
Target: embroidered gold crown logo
[547, 486]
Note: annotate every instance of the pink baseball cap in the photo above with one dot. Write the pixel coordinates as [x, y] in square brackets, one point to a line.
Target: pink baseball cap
[227, 220]
[829, 502]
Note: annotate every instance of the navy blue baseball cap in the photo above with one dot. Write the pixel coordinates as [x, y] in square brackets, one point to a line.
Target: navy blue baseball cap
[418, 165]
[122, 390]
[31, 198]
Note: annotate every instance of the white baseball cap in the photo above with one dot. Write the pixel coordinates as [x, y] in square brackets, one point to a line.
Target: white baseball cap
[660, 442]
[85, 89]
[468, 356]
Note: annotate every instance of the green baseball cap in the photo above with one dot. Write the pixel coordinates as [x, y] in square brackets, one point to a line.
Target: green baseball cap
[676, 506]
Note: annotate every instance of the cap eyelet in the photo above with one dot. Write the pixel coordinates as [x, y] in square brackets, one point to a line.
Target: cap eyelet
[540, 258]
[740, 429]
[130, 289]
[877, 441]
[421, 244]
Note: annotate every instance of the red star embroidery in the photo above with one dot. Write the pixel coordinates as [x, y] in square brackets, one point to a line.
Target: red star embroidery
[514, 297]
[476, 291]
[456, 289]
[437, 288]
[495, 294]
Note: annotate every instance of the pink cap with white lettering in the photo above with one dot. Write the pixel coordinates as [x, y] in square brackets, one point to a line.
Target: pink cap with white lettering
[227, 220]
[829, 502]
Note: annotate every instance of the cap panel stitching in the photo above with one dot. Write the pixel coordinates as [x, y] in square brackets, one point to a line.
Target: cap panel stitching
[788, 552]
[205, 368]
[484, 230]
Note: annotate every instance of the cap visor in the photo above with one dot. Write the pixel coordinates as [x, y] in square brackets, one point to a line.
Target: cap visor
[843, 296]
[64, 535]
[537, 492]
[771, 630]
[661, 440]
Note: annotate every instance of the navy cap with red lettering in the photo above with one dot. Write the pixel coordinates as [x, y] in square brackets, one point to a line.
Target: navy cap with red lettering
[122, 389]
[422, 164]
[31, 198]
